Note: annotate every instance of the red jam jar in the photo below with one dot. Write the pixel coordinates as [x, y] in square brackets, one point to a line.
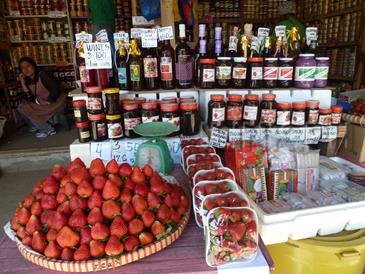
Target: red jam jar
[268, 110]
[131, 118]
[170, 114]
[312, 112]
[83, 130]
[234, 111]
[251, 110]
[189, 119]
[140, 101]
[216, 110]
[336, 114]
[283, 114]
[325, 117]
[298, 114]
[98, 127]
[94, 100]
[150, 112]
[80, 111]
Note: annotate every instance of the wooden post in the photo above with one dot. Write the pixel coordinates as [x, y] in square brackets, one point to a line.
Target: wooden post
[167, 16]
[134, 7]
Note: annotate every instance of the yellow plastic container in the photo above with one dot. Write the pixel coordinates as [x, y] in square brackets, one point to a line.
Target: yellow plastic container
[342, 253]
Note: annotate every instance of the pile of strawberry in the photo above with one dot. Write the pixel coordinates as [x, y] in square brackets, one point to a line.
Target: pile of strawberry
[78, 214]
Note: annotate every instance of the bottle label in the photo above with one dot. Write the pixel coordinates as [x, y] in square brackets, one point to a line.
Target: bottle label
[131, 123]
[270, 73]
[166, 68]
[239, 73]
[146, 119]
[283, 118]
[232, 44]
[84, 74]
[135, 71]
[285, 73]
[321, 73]
[336, 118]
[325, 119]
[184, 68]
[313, 116]
[298, 118]
[101, 130]
[250, 113]
[85, 134]
[122, 76]
[234, 113]
[208, 75]
[223, 73]
[305, 74]
[268, 116]
[115, 130]
[77, 113]
[173, 120]
[150, 67]
[94, 103]
[256, 73]
[218, 114]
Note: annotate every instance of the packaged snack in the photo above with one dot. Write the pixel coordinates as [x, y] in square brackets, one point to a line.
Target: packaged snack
[253, 182]
[297, 201]
[280, 158]
[195, 149]
[213, 175]
[282, 181]
[308, 170]
[194, 168]
[321, 198]
[274, 206]
[329, 169]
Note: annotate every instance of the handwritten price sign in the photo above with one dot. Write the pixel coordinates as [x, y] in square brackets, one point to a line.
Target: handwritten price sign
[165, 33]
[98, 56]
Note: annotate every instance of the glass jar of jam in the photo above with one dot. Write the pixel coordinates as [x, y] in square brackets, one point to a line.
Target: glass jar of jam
[268, 110]
[170, 114]
[336, 114]
[239, 72]
[283, 114]
[169, 100]
[255, 72]
[325, 117]
[305, 70]
[114, 126]
[216, 111]
[112, 101]
[150, 112]
[131, 118]
[234, 111]
[98, 127]
[223, 72]
[322, 69]
[298, 114]
[270, 72]
[312, 112]
[80, 111]
[251, 110]
[207, 73]
[83, 131]
[94, 100]
[285, 74]
[189, 119]
[184, 99]
[140, 101]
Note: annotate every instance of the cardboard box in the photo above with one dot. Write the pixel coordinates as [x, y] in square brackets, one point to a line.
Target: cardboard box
[353, 145]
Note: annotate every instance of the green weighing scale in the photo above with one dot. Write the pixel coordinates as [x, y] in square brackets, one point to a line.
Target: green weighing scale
[155, 152]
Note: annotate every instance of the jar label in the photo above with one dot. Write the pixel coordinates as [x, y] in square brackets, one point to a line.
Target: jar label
[85, 134]
[285, 73]
[268, 116]
[184, 68]
[305, 74]
[150, 67]
[325, 119]
[298, 118]
[131, 123]
[84, 74]
[135, 71]
[77, 113]
[218, 114]
[239, 73]
[208, 75]
[146, 119]
[223, 73]
[94, 103]
[321, 73]
[172, 120]
[122, 76]
[270, 73]
[101, 130]
[336, 118]
[166, 68]
[283, 118]
[256, 73]
[115, 130]
[250, 113]
[234, 113]
[313, 116]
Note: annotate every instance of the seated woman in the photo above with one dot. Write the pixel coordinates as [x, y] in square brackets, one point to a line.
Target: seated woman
[46, 98]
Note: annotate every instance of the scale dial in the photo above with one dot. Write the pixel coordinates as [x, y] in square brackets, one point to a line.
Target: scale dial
[151, 156]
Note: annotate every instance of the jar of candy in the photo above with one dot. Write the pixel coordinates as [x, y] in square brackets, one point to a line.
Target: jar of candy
[255, 72]
[223, 72]
[325, 117]
[207, 73]
[312, 112]
[112, 101]
[239, 72]
[270, 72]
[114, 126]
[80, 111]
[98, 127]
[285, 74]
[131, 118]
[83, 131]
[189, 119]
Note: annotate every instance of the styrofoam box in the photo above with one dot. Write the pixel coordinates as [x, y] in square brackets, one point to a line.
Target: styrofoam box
[308, 223]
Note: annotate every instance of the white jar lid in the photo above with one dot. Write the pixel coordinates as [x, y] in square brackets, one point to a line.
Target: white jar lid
[322, 58]
[306, 55]
[286, 59]
[224, 58]
[271, 59]
[240, 59]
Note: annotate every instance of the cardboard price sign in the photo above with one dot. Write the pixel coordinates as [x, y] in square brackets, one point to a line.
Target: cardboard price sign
[311, 34]
[165, 33]
[297, 135]
[218, 137]
[98, 56]
[102, 36]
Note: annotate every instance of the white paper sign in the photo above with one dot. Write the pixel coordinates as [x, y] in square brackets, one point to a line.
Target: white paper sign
[312, 135]
[329, 133]
[120, 36]
[255, 44]
[102, 36]
[98, 56]
[165, 33]
[311, 34]
[235, 135]
[262, 33]
[280, 31]
[83, 37]
[297, 135]
[218, 137]
[149, 38]
[102, 150]
[117, 151]
[251, 134]
[131, 149]
[174, 146]
[136, 33]
[283, 134]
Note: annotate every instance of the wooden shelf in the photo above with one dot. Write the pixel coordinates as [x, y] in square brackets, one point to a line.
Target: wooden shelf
[4, 45]
[40, 41]
[80, 17]
[235, 20]
[35, 16]
[54, 65]
[332, 14]
[341, 78]
[338, 45]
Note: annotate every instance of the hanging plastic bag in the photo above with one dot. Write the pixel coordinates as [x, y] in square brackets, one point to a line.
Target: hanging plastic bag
[150, 9]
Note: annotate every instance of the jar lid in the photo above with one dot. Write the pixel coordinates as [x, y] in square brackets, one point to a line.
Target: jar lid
[170, 107]
[284, 105]
[306, 55]
[82, 124]
[224, 58]
[209, 61]
[312, 103]
[322, 58]
[79, 103]
[140, 100]
[92, 90]
[132, 106]
[325, 110]
[217, 97]
[189, 106]
[252, 97]
[188, 100]
[269, 96]
[286, 59]
[337, 109]
[111, 91]
[271, 59]
[96, 117]
[240, 59]
[114, 117]
[234, 97]
[186, 97]
[127, 101]
[255, 59]
[299, 105]
[149, 105]
[169, 99]
[155, 101]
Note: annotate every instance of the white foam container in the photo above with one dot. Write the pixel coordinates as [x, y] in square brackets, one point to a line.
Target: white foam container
[193, 157]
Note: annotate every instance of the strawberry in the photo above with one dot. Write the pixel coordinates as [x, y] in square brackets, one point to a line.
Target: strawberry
[148, 217]
[58, 172]
[167, 187]
[95, 200]
[23, 216]
[51, 235]
[70, 189]
[172, 199]
[199, 178]
[158, 230]
[50, 185]
[65, 180]
[84, 189]
[125, 195]
[99, 231]
[184, 201]
[141, 189]
[251, 229]
[65, 208]
[97, 167]
[27, 240]
[137, 175]
[49, 202]
[199, 191]
[82, 253]
[116, 180]
[157, 187]
[28, 200]
[210, 188]
[94, 216]
[181, 209]
[77, 219]
[221, 201]
[110, 191]
[153, 200]
[247, 216]
[125, 170]
[99, 182]
[38, 186]
[139, 204]
[39, 241]
[129, 184]
[147, 171]
[58, 220]
[135, 226]
[229, 176]
[224, 187]
[66, 237]
[127, 212]
[61, 197]
[79, 174]
[163, 213]
[33, 225]
[85, 235]
[233, 199]
[114, 246]
[210, 176]
[131, 243]
[209, 204]
[112, 167]
[220, 174]
[175, 216]
[52, 250]
[46, 217]
[21, 233]
[97, 249]
[75, 164]
[118, 227]
[236, 231]
[145, 238]
[77, 202]
[14, 223]
[110, 209]
[67, 254]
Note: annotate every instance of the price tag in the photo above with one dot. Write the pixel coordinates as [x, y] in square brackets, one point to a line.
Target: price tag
[311, 34]
[329, 133]
[255, 43]
[102, 150]
[262, 33]
[98, 56]
[165, 33]
[16, 38]
[280, 31]
[102, 36]
[283, 134]
[83, 37]
[235, 135]
[297, 135]
[251, 134]
[14, 13]
[149, 38]
[56, 14]
[218, 137]
[120, 36]
[117, 151]
[136, 33]
[131, 149]
[312, 135]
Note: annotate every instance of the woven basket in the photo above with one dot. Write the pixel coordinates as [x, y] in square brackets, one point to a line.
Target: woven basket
[358, 120]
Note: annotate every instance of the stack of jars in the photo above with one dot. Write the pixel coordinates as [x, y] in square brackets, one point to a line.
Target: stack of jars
[250, 112]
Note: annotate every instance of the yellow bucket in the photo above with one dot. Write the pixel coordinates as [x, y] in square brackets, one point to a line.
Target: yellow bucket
[342, 253]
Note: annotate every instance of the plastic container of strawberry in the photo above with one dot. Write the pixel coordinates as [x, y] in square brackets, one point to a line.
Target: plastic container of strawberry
[214, 175]
[190, 142]
[194, 168]
[201, 158]
[230, 235]
[205, 188]
[195, 149]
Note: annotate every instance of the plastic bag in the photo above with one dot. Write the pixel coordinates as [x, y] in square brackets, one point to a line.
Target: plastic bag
[150, 9]
[329, 169]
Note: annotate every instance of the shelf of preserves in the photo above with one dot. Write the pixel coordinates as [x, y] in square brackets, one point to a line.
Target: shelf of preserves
[42, 41]
[338, 44]
[340, 78]
[61, 16]
[332, 14]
